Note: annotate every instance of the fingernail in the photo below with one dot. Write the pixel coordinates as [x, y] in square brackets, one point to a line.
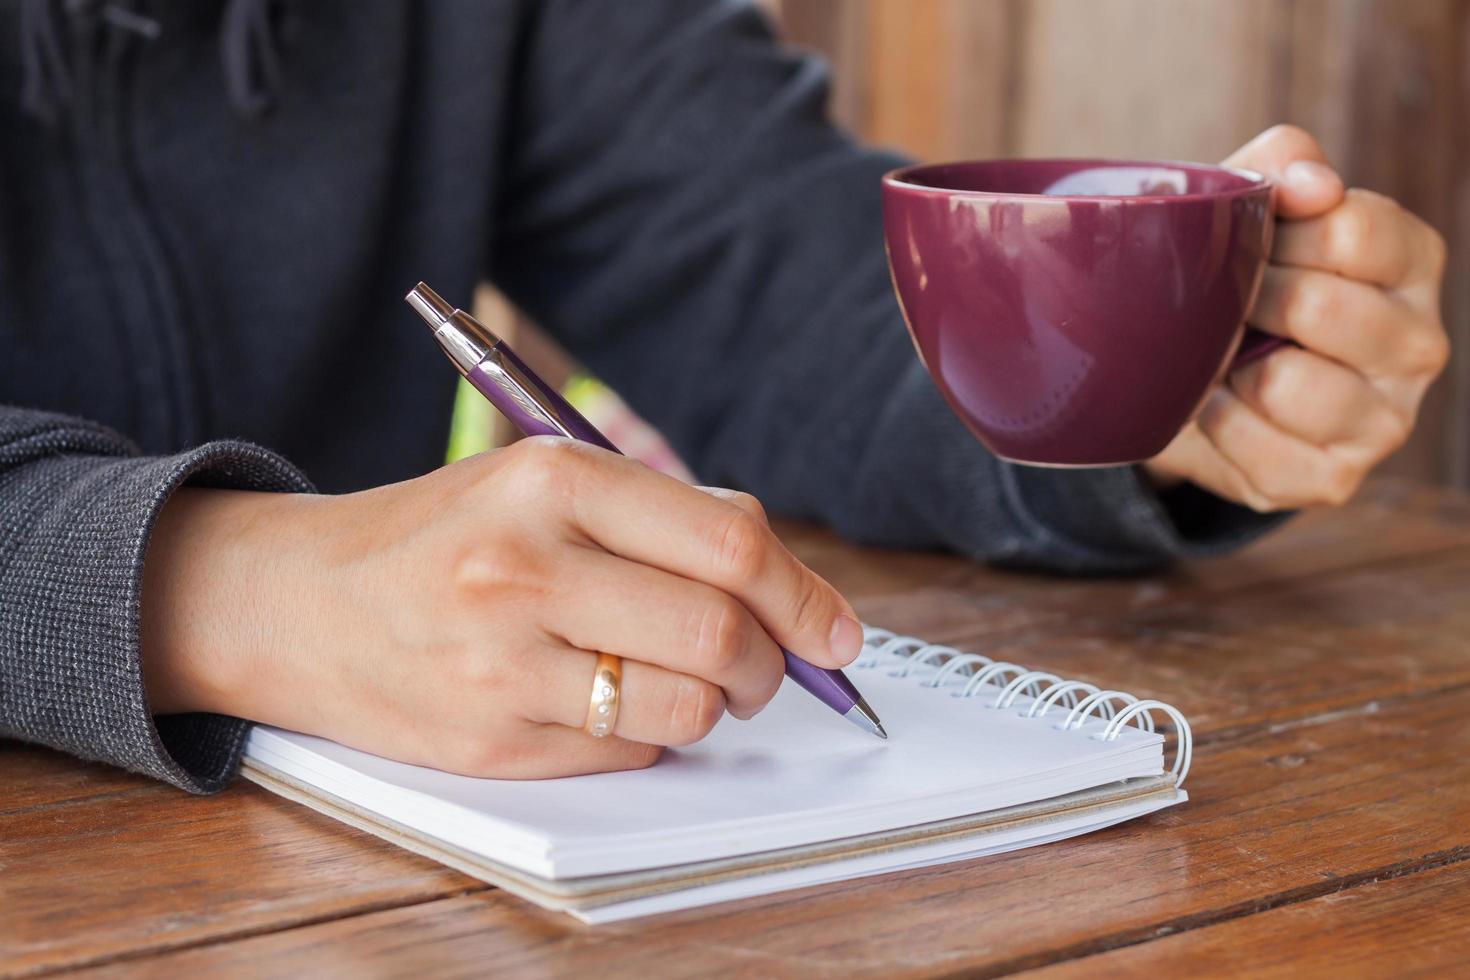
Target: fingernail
[846, 641]
[1304, 173]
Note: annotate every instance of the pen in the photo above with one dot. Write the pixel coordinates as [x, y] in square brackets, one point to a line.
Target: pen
[493, 369]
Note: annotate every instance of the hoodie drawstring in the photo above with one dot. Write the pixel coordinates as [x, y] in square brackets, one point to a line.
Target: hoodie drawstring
[46, 88]
[249, 51]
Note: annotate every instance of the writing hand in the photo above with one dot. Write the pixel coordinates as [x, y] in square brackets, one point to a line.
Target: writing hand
[450, 620]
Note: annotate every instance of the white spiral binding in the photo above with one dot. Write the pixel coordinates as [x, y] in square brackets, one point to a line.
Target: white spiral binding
[1083, 702]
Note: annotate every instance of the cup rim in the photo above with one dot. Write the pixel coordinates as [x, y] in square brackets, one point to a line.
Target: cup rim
[898, 180]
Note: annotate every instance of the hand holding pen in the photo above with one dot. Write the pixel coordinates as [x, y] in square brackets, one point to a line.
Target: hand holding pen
[455, 620]
[493, 369]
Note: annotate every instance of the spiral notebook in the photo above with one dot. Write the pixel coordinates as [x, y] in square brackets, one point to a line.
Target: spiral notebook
[983, 757]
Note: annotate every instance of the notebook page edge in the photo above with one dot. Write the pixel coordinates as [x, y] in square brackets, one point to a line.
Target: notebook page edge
[613, 855]
[564, 894]
[838, 871]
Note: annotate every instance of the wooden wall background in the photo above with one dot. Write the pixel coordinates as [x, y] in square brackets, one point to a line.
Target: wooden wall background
[1385, 84]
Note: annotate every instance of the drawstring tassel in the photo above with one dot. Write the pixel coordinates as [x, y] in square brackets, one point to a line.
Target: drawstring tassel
[249, 49]
[252, 61]
[47, 85]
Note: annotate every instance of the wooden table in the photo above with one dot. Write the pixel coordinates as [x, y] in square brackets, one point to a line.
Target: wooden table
[1326, 670]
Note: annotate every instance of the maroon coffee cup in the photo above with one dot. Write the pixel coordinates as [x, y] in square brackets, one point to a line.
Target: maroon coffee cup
[1077, 312]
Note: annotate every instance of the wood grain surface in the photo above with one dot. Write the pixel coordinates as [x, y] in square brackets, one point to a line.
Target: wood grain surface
[1327, 671]
[1411, 925]
[144, 867]
[1276, 818]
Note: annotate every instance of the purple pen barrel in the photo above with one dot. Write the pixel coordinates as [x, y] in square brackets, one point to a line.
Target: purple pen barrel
[830, 687]
[490, 378]
[494, 370]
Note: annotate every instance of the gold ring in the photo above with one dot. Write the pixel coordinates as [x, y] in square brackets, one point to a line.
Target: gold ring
[602, 712]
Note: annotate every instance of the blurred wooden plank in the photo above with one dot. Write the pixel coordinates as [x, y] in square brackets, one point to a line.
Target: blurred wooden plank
[1347, 607]
[1280, 817]
[1273, 656]
[837, 30]
[1177, 79]
[1057, 619]
[1415, 925]
[1389, 520]
[1313, 63]
[909, 75]
[1256, 658]
[1384, 84]
[941, 75]
[1411, 111]
[929, 77]
[107, 876]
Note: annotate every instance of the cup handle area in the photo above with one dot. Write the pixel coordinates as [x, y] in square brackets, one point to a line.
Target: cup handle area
[1254, 346]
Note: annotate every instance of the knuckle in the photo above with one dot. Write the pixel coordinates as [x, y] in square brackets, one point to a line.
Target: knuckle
[1245, 492]
[1438, 251]
[1270, 488]
[811, 611]
[1310, 300]
[722, 634]
[1340, 481]
[1439, 351]
[1388, 431]
[739, 498]
[1389, 232]
[1277, 379]
[1396, 430]
[482, 571]
[748, 503]
[770, 683]
[1249, 382]
[1426, 351]
[740, 546]
[1258, 503]
[697, 706]
[544, 465]
[1353, 226]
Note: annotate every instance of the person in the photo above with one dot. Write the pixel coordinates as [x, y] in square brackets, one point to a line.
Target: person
[210, 214]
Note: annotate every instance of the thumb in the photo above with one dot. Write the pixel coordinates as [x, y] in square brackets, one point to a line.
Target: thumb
[1306, 185]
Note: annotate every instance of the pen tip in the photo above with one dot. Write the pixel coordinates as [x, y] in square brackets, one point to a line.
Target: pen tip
[863, 716]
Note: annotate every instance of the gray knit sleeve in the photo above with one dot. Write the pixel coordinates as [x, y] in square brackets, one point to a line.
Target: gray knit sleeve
[76, 507]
